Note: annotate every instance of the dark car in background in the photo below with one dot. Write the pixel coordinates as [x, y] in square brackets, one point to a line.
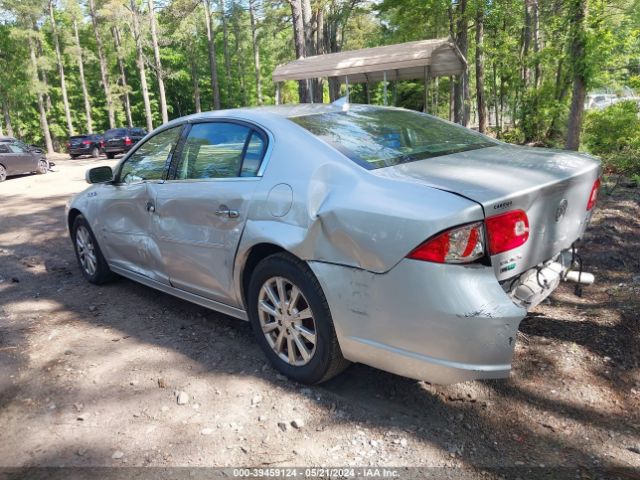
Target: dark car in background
[17, 158]
[121, 140]
[87, 144]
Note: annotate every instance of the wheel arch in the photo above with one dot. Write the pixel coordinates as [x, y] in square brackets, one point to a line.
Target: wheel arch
[255, 255]
[71, 217]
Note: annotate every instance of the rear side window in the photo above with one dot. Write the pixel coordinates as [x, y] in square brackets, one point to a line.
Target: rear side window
[149, 161]
[378, 137]
[220, 150]
[4, 148]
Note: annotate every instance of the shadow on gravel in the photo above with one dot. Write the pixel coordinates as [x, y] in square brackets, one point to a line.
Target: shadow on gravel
[483, 424]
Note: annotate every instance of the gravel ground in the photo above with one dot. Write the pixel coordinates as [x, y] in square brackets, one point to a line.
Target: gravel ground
[122, 375]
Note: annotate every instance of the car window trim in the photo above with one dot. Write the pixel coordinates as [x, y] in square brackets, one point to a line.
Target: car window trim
[252, 128]
[167, 164]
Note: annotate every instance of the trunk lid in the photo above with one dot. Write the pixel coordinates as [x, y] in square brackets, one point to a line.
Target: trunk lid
[551, 186]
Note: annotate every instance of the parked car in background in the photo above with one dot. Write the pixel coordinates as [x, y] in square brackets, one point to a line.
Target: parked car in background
[87, 144]
[344, 233]
[17, 158]
[121, 140]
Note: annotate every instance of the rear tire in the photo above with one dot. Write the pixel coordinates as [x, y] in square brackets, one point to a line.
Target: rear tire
[90, 259]
[95, 153]
[74, 156]
[291, 320]
[110, 155]
[3, 173]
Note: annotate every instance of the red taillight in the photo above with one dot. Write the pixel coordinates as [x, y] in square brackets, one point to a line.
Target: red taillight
[458, 245]
[86, 142]
[594, 195]
[127, 141]
[507, 231]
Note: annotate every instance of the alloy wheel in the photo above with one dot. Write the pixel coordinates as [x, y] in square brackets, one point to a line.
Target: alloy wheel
[287, 321]
[43, 166]
[3, 173]
[86, 250]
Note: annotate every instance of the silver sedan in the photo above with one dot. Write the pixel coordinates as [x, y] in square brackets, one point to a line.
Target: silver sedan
[344, 233]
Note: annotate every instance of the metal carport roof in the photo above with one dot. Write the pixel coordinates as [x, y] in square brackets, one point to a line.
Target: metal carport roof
[404, 61]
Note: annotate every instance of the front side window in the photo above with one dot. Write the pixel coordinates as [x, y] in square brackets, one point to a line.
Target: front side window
[18, 147]
[217, 150]
[149, 161]
[378, 137]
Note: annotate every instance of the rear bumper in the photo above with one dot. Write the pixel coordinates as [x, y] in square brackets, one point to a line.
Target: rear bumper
[440, 323]
[117, 149]
[81, 150]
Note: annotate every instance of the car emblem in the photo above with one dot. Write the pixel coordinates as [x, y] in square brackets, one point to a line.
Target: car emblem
[562, 209]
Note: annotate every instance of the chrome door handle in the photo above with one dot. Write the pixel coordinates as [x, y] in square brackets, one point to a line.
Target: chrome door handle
[228, 213]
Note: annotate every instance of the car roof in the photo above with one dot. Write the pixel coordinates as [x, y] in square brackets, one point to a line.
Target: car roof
[7, 139]
[278, 111]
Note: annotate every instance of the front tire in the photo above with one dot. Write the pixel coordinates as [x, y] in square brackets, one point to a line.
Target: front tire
[90, 259]
[3, 173]
[292, 321]
[43, 167]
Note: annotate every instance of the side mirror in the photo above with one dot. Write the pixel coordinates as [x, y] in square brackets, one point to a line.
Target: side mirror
[36, 149]
[99, 175]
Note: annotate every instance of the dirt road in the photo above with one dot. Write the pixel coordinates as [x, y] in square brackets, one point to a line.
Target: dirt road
[89, 376]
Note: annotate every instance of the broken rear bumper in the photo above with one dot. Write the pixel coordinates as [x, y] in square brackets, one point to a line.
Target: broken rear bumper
[440, 323]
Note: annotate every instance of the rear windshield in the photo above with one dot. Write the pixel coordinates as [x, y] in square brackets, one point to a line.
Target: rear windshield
[378, 137]
[116, 132]
[78, 137]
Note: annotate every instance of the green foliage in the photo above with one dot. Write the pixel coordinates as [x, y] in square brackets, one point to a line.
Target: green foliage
[527, 90]
[614, 134]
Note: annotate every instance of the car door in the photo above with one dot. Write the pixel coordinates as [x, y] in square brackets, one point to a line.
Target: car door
[126, 207]
[20, 159]
[200, 214]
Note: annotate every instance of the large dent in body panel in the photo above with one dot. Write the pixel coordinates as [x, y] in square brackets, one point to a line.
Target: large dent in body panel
[360, 220]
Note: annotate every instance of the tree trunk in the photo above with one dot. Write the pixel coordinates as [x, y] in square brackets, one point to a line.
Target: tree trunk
[481, 104]
[213, 63]
[461, 97]
[123, 75]
[299, 44]
[44, 124]
[158, 62]
[578, 9]
[7, 119]
[140, 62]
[256, 50]
[196, 85]
[240, 62]
[42, 73]
[319, 50]
[526, 43]
[63, 83]
[83, 82]
[225, 48]
[103, 66]
[537, 73]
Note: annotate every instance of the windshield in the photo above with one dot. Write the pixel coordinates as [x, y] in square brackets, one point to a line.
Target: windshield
[380, 137]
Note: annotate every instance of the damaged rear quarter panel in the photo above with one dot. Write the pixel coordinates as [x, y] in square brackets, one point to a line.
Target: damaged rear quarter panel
[341, 213]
